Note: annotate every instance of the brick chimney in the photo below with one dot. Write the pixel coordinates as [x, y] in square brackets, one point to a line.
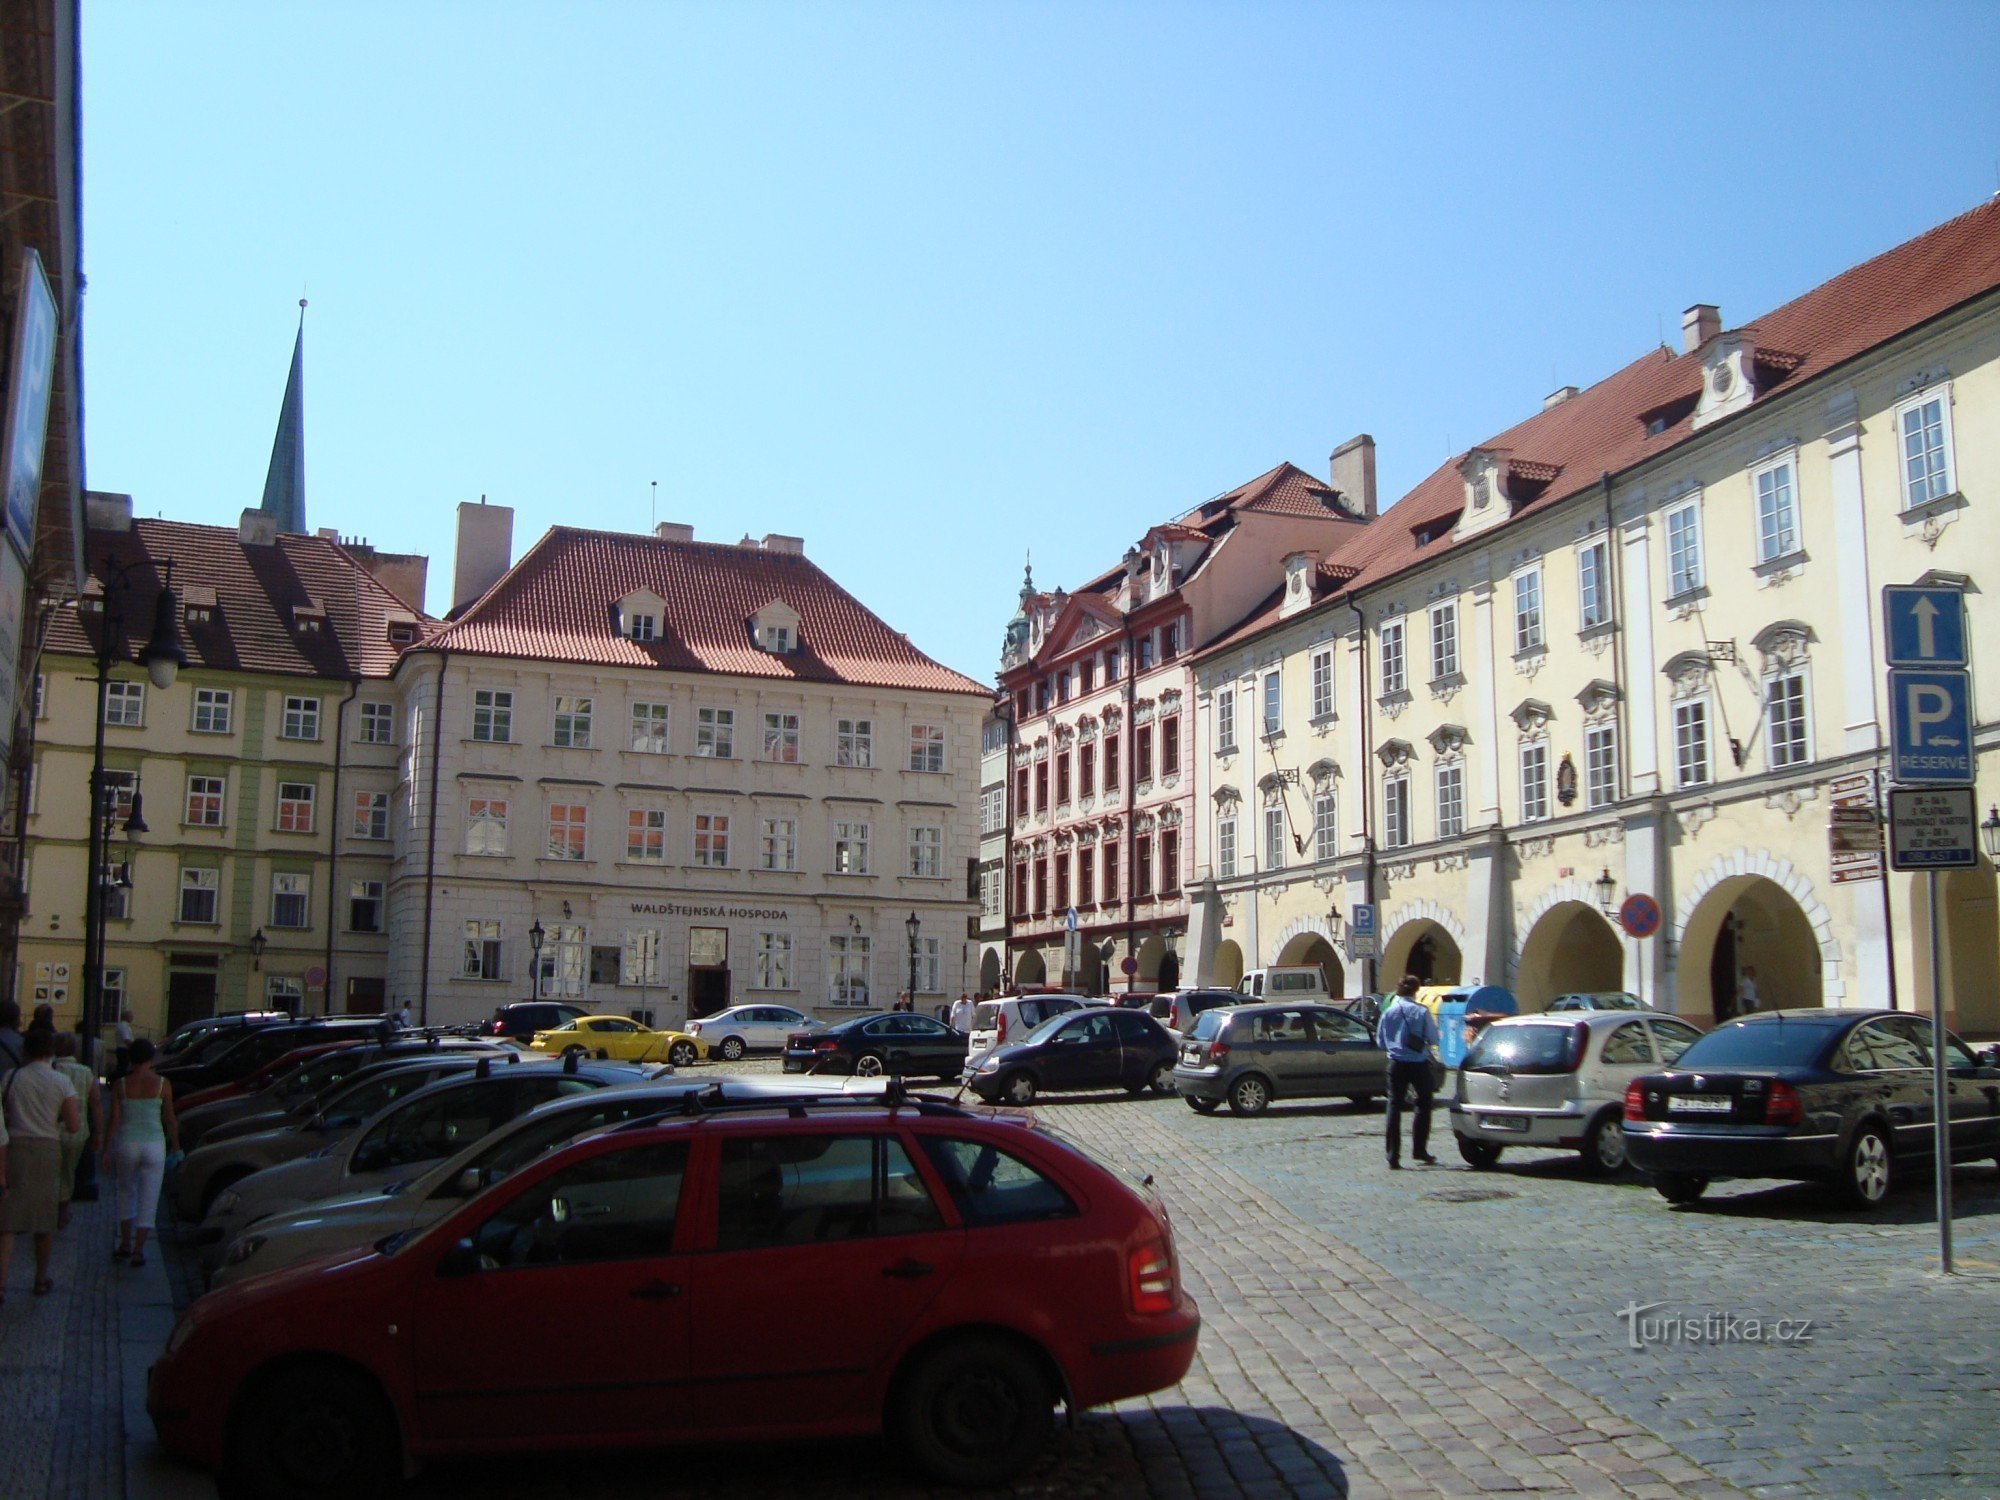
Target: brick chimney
[1699, 324]
[1352, 472]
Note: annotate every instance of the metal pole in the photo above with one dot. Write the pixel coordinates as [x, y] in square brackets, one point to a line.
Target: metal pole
[1940, 1087]
[88, 1021]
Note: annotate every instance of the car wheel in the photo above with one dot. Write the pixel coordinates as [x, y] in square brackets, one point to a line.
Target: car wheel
[1604, 1145]
[732, 1049]
[1869, 1171]
[1679, 1187]
[1249, 1095]
[1203, 1106]
[602, 1055]
[867, 1065]
[1161, 1079]
[1019, 1088]
[682, 1054]
[974, 1412]
[310, 1431]
[1477, 1153]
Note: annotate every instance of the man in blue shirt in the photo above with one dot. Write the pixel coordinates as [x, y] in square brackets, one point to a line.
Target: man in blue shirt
[1408, 1032]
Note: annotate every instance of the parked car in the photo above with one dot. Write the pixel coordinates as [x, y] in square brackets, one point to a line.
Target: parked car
[1597, 1000]
[1367, 1009]
[996, 1022]
[1284, 982]
[599, 1297]
[297, 1094]
[344, 1223]
[1248, 1055]
[1837, 1096]
[521, 1019]
[1559, 1080]
[1177, 1011]
[1100, 1048]
[247, 1051]
[204, 1029]
[402, 1139]
[252, 1083]
[749, 1028]
[619, 1039]
[899, 1042]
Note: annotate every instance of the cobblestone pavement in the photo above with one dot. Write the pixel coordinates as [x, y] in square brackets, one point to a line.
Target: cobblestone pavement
[1445, 1332]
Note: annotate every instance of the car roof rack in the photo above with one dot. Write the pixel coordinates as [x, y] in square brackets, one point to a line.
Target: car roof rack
[712, 1099]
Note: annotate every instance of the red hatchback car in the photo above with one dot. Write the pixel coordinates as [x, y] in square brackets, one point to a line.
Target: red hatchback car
[946, 1274]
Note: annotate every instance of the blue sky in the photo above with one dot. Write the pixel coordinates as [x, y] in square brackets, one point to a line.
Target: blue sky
[931, 285]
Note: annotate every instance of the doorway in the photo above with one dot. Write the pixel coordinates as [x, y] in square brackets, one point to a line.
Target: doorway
[708, 971]
[190, 997]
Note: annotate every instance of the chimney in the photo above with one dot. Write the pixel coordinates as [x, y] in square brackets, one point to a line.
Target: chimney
[485, 550]
[1352, 471]
[106, 512]
[792, 546]
[257, 528]
[1699, 324]
[1556, 398]
[673, 531]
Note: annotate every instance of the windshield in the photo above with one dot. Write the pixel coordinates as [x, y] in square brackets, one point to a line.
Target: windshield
[1763, 1044]
[1525, 1049]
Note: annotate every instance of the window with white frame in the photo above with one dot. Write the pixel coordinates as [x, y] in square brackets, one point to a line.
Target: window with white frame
[930, 965]
[1274, 838]
[1786, 728]
[711, 839]
[199, 888]
[295, 806]
[1777, 510]
[989, 892]
[1396, 811]
[378, 723]
[570, 728]
[1923, 439]
[1444, 640]
[778, 844]
[568, 830]
[993, 809]
[113, 985]
[301, 719]
[1534, 782]
[204, 801]
[1225, 720]
[562, 961]
[646, 835]
[926, 747]
[1593, 585]
[214, 710]
[644, 627]
[371, 815]
[1394, 677]
[1322, 682]
[492, 715]
[781, 738]
[291, 899]
[284, 992]
[850, 848]
[1684, 570]
[1326, 832]
[1600, 765]
[927, 852]
[125, 704]
[1692, 764]
[649, 728]
[1225, 843]
[715, 732]
[1451, 799]
[364, 906]
[643, 947]
[120, 787]
[482, 950]
[847, 970]
[486, 825]
[1274, 704]
[854, 743]
[1528, 611]
[772, 956]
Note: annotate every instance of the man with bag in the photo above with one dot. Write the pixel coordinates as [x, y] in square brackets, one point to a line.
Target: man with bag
[1408, 1032]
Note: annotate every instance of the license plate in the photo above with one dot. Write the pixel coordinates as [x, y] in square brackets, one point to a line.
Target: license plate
[1699, 1104]
[1503, 1122]
[1191, 1055]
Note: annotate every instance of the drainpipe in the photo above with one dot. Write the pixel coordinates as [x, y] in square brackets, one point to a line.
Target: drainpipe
[333, 838]
[431, 840]
[1131, 793]
[1367, 788]
[1614, 576]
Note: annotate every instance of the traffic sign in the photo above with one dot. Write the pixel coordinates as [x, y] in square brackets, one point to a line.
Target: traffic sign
[1361, 945]
[1933, 828]
[315, 977]
[1362, 922]
[1128, 965]
[1924, 627]
[1639, 915]
[1930, 723]
[1069, 920]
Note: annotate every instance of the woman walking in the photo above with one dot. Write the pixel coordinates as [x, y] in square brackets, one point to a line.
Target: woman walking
[90, 1105]
[142, 1130]
[38, 1105]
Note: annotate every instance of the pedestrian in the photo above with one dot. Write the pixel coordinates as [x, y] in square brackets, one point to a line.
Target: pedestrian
[37, 1104]
[1746, 991]
[10, 1036]
[75, 1143]
[1407, 1032]
[403, 1016]
[142, 1132]
[961, 1014]
[45, 1018]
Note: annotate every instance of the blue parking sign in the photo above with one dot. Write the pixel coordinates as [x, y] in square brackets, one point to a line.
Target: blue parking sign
[1930, 722]
[1923, 626]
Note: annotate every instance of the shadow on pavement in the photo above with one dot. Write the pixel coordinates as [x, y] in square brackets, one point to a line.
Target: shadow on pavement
[1975, 1193]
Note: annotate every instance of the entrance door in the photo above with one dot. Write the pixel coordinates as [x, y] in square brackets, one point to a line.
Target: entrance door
[708, 970]
[190, 997]
[1722, 972]
[365, 995]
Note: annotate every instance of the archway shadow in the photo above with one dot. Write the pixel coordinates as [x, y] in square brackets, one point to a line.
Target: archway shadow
[1975, 1192]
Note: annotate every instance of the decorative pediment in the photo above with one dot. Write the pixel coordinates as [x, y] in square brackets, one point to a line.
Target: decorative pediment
[1112, 719]
[1086, 728]
[1322, 771]
[1170, 817]
[1065, 735]
[1170, 700]
[1531, 715]
[1784, 642]
[1272, 785]
[1087, 834]
[1142, 822]
[641, 611]
[1688, 672]
[1598, 697]
[1065, 837]
[1227, 796]
[1448, 740]
[1394, 753]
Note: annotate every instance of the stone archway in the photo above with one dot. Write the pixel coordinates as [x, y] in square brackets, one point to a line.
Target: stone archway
[1090, 973]
[1311, 948]
[1970, 977]
[1423, 947]
[1750, 926]
[991, 971]
[1152, 953]
[1570, 949]
[1030, 969]
[1228, 967]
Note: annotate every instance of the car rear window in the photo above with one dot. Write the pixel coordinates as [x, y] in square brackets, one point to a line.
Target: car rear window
[1763, 1044]
[1523, 1049]
[989, 1186]
[1208, 1025]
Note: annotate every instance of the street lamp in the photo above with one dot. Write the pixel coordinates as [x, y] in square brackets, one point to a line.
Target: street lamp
[258, 942]
[912, 927]
[535, 938]
[1989, 833]
[1607, 891]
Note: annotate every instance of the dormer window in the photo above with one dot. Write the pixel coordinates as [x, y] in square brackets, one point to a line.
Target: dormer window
[775, 628]
[778, 639]
[639, 615]
[645, 627]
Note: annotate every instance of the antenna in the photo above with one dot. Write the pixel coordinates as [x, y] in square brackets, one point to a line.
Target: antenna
[656, 506]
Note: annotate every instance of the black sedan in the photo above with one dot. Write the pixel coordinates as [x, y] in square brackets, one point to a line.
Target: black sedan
[899, 1042]
[1835, 1096]
[1080, 1049]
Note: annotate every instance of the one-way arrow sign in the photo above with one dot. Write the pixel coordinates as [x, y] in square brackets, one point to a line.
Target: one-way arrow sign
[1923, 626]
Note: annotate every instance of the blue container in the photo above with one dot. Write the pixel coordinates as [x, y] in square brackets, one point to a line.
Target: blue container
[1450, 1004]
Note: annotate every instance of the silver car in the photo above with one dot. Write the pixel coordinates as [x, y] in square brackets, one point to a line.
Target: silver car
[996, 1023]
[1559, 1081]
[750, 1028]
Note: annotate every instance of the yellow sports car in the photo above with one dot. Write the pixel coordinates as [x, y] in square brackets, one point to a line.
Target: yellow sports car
[620, 1040]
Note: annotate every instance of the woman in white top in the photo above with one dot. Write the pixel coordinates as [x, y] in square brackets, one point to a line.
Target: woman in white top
[37, 1104]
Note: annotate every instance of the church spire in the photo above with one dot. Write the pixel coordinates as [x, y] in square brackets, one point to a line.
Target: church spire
[285, 483]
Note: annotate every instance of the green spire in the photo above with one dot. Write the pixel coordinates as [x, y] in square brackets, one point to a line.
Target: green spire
[285, 484]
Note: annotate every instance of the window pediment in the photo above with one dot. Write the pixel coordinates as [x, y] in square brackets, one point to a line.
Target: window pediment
[1783, 642]
[1448, 739]
[1598, 697]
[1531, 715]
[1394, 753]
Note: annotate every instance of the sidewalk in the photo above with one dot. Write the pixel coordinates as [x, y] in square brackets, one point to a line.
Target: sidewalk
[74, 1366]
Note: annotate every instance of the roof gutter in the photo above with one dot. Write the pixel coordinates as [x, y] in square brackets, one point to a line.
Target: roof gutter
[1362, 679]
[333, 835]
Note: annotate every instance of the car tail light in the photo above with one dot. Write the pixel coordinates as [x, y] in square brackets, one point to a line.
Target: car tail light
[1782, 1106]
[1579, 1044]
[831, 1044]
[1000, 1028]
[1150, 1278]
[1218, 1050]
[1635, 1101]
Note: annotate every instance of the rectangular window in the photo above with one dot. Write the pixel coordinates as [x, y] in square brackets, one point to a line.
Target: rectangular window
[1143, 658]
[1062, 778]
[1170, 861]
[1274, 704]
[1394, 679]
[291, 895]
[993, 809]
[646, 835]
[926, 747]
[1041, 786]
[1142, 754]
[1086, 769]
[114, 992]
[1534, 782]
[482, 950]
[492, 715]
[854, 742]
[1396, 812]
[1528, 611]
[1111, 763]
[41, 709]
[214, 710]
[1691, 762]
[1225, 844]
[364, 906]
[378, 723]
[778, 844]
[930, 975]
[715, 732]
[1062, 882]
[772, 953]
[1684, 573]
[1109, 857]
[927, 852]
[649, 728]
[486, 825]
[295, 806]
[567, 830]
[1322, 683]
[1225, 721]
[371, 815]
[850, 848]
[1451, 800]
[1785, 720]
[1600, 765]
[1113, 664]
[781, 738]
[645, 627]
[125, 704]
[1170, 641]
[711, 839]
[204, 801]
[198, 895]
[847, 970]
[1593, 585]
[641, 962]
[1444, 640]
[1021, 792]
[1326, 834]
[571, 724]
[1063, 681]
[1923, 429]
[282, 992]
[301, 719]
[1020, 888]
[1086, 674]
[1170, 745]
[120, 787]
[1777, 512]
[1086, 877]
[1142, 866]
[1274, 838]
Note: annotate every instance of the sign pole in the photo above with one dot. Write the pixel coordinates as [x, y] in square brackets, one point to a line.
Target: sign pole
[1940, 1086]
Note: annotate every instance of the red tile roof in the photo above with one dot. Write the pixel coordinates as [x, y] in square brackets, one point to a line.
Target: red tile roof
[255, 594]
[559, 603]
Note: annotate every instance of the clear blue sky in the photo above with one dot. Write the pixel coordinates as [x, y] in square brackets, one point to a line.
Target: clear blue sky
[932, 284]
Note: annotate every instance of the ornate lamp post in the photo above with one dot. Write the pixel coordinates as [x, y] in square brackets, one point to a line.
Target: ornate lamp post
[258, 942]
[1607, 891]
[912, 926]
[536, 936]
[1989, 833]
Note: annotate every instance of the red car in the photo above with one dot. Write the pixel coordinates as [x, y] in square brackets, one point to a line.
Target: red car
[946, 1274]
[263, 1078]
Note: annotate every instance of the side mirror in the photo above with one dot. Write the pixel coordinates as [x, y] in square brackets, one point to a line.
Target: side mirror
[369, 1156]
[470, 1182]
[460, 1260]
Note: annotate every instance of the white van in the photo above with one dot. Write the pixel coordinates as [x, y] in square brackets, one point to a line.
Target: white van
[1284, 982]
